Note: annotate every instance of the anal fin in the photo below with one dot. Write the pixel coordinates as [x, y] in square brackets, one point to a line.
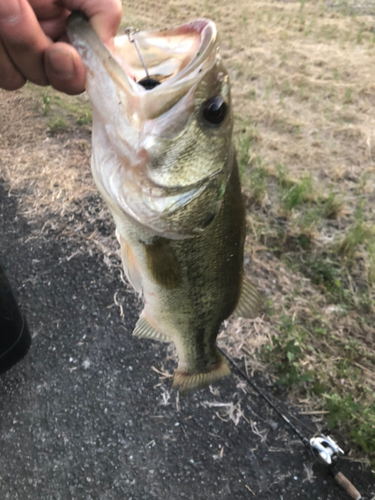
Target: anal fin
[144, 329]
[250, 303]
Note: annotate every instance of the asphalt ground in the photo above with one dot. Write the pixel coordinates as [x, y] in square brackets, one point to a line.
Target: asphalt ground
[84, 416]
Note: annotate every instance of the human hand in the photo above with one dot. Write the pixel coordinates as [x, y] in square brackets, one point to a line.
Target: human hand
[34, 44]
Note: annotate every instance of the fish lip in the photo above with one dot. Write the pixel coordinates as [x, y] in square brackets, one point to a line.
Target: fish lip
[122, 74]
[81, 34]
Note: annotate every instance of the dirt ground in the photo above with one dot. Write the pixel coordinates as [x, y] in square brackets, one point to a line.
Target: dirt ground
[303, 87]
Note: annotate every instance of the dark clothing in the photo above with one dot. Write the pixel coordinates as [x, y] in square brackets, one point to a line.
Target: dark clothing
[14, 333]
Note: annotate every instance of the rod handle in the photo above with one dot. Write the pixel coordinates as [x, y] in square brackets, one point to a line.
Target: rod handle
[347, 486]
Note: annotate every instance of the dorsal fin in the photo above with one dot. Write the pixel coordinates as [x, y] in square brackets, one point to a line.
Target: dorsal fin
[144, 329]
[250, 303]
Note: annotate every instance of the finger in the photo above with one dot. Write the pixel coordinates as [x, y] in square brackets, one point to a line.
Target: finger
[55, 28]
[10, 77]
[24, 39]
[51, 16]
[64, 68]
[47, 9]
[105, 16]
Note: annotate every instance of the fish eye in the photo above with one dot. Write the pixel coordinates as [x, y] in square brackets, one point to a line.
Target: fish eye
[215, 110]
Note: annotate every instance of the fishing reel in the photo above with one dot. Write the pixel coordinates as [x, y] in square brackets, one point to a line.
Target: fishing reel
[323, 448]
[326, 450]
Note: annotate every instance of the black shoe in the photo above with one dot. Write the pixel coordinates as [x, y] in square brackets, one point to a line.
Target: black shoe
[15, 337]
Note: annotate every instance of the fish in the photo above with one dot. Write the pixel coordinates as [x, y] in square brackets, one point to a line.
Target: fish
[164, 161]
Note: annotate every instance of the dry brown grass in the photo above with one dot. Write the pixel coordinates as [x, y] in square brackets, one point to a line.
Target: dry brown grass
[52, 169]
[303, 83]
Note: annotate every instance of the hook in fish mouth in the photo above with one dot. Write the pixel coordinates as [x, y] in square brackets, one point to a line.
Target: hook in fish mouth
[148, 83]
[176, 59]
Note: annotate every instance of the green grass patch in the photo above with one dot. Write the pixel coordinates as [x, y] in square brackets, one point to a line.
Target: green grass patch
[358, 233]
[357, 418]
[350, 402]
[348, 97]
[337, 269]
[258, 183]
[46, 104]
[331, 206]
[248, 136]
[57, 125]
[293, 194]
[64, 111]
[371, 265]
[325, 272]
[286, 351]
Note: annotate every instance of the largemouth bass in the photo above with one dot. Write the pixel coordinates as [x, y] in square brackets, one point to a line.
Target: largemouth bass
[163, 160]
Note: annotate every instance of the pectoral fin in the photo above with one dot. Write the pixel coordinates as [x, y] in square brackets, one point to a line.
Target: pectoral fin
[250, 302]
[144, 329]
[130, 265]
[163, 264]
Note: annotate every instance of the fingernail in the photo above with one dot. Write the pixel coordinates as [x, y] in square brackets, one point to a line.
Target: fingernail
[9, 12]
[62, 64]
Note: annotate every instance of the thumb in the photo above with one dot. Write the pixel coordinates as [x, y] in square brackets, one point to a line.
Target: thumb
[104, 15]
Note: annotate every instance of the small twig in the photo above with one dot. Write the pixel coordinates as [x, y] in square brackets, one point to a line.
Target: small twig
[118, 305]
[313, 412]
[164, 374]
[221, 418]
[248, 487]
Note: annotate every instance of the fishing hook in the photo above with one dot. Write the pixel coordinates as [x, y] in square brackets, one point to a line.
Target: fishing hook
[130, 31]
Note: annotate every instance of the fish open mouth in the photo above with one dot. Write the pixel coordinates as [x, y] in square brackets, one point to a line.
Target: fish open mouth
[167, 55]
[175, 59]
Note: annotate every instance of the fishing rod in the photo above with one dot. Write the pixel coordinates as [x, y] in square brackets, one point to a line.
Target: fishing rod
[323, 448]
